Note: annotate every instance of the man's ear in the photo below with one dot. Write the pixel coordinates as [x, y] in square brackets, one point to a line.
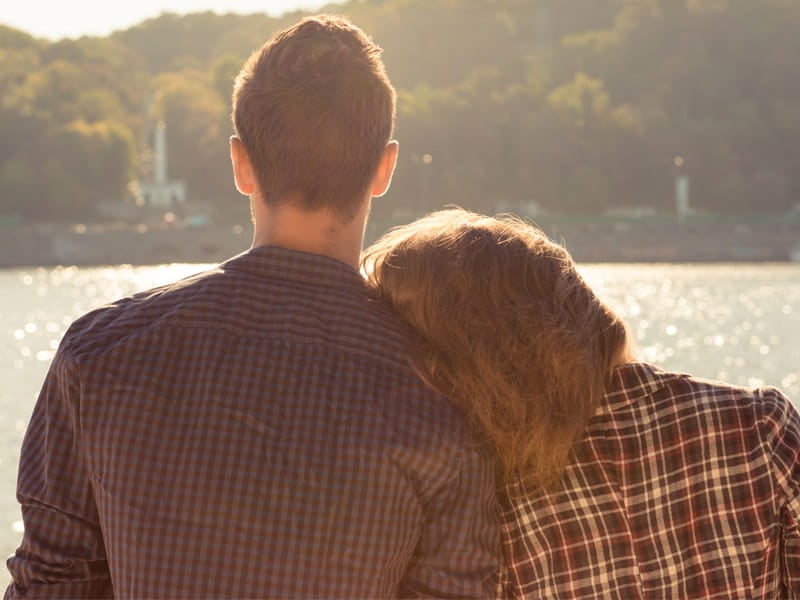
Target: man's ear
[383, 176]
[243, 175]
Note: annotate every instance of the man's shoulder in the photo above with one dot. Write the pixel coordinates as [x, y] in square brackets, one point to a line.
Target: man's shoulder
[106, 325]
[386, 341]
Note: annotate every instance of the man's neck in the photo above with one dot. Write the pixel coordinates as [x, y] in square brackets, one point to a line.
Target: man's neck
[317, 232]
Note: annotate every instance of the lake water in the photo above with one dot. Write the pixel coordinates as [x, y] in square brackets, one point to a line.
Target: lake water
[739, 323]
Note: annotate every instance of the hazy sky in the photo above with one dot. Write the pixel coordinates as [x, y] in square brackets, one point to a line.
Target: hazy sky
[56, 19]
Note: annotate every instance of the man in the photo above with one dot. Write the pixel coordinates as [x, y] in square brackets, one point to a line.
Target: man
[255, 430]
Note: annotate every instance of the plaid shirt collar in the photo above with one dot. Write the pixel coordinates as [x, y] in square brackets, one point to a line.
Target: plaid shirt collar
[631, 383]
[294, 265]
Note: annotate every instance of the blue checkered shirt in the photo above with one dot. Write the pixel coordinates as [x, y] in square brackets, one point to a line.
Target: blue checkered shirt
[253, 431]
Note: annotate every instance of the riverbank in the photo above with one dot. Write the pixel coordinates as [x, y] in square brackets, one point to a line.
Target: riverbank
[589, 240]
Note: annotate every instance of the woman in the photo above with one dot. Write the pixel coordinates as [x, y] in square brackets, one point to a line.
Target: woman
[619, 480]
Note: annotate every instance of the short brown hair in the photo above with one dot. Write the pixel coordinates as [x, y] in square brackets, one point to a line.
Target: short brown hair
[314, 110]
[508, 330]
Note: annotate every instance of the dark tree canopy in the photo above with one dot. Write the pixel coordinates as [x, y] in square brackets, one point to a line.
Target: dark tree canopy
[571, 106]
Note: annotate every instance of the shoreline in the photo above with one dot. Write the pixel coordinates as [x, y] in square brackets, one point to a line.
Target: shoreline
[607, 241]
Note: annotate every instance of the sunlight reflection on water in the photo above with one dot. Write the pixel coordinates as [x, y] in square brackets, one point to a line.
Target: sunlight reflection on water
[37, 307]
[738, 323]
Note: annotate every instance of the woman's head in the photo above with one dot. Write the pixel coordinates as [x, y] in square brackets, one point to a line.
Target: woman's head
[507, 328]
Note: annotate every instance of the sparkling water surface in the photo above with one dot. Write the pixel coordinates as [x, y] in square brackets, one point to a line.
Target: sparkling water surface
[737, 323]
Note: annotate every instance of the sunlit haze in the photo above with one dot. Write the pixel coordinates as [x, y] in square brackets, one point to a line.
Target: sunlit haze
[55, 19]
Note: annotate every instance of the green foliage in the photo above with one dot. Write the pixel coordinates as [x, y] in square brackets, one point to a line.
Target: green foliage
[576, 106]
[580, 101]
[223, 72]
[168, 42]
[19, 40]
[196, 119]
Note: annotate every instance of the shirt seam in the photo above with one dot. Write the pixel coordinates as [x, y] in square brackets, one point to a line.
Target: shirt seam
[216, 328]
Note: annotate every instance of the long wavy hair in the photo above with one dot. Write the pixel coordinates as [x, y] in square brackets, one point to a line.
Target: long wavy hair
[507, 329]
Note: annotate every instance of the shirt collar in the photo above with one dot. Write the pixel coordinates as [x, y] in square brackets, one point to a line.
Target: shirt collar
[632, 382]
[294, 265]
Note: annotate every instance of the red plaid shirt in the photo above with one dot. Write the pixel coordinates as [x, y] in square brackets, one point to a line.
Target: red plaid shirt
[680, 488]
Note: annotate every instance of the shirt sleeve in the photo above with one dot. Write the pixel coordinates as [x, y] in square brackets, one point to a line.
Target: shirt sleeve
[458, 553]
[781, 426]
[62, 554]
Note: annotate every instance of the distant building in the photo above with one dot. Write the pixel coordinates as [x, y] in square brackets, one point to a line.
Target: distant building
[161, 193]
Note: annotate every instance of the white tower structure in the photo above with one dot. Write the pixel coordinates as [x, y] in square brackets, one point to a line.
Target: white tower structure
[161, 192]
[160, 154]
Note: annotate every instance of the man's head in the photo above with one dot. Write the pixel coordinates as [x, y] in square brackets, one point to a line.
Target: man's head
[314, 111]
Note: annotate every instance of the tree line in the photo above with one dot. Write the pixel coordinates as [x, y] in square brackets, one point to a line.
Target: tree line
[568, 106]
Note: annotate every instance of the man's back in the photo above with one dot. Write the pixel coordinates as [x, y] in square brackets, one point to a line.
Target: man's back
[254, 431]
[680, 488]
